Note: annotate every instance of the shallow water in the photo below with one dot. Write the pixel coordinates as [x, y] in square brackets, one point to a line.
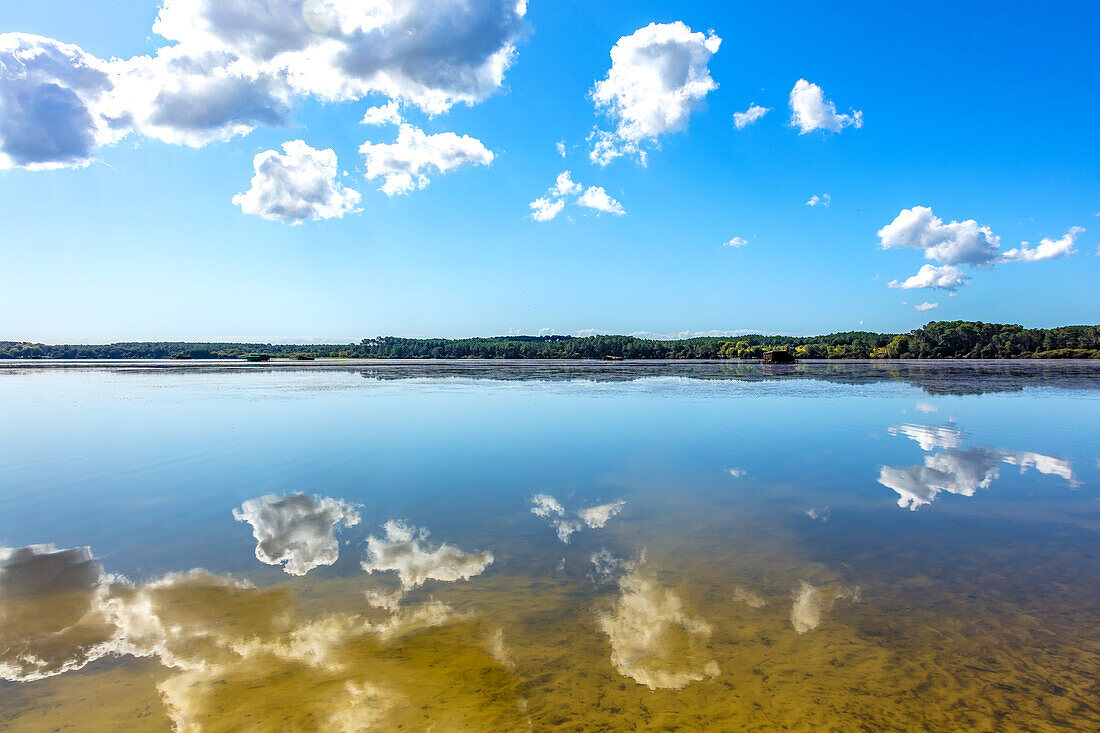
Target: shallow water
[550, 546]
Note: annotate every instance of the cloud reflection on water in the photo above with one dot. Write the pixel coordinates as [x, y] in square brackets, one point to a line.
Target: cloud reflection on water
[593, 517]
[218, 636]
[812, 602]
[297, 531]
[40, 639]
[404, 550]
[956, 470]
[654, 641]
[930, 437]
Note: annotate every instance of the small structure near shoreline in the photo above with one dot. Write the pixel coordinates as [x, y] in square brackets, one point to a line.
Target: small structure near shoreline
[258, 357]
[778, 357]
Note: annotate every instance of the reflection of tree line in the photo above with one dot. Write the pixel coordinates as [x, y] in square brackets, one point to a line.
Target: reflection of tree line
[949, 378]
[937, 340]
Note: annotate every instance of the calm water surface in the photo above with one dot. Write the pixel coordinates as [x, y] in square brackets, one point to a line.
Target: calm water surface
[483, 546]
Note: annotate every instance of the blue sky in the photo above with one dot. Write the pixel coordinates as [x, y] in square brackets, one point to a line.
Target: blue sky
[982, 114]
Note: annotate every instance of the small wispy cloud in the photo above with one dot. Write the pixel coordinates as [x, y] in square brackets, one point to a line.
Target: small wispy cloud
[560, 144]
[926, 306]
[595, 198]
[741, 120]
[736, 242]
[822, 200]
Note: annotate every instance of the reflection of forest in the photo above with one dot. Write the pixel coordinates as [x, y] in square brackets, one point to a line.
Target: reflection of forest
[934, 377]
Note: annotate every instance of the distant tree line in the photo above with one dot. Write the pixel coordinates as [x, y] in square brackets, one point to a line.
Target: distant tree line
[937, 340]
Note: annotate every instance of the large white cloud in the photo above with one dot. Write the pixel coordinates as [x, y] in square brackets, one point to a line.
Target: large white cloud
[811, 111]
[658, 75]
[298, 185]
[296, 531]
[959, 243]
[955, 243]
[431, 53]
[404, 165]
[51, 99]
[194, 97]
[654, 640]
[404, 550]
[233, 66]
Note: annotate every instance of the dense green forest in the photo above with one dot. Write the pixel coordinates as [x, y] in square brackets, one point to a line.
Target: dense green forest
[937, 340]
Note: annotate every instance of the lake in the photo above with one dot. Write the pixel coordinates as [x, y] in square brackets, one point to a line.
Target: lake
[484, 546]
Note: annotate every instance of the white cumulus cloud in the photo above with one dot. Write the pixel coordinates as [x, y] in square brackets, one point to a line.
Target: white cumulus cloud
[595, 198]
[822, 200]
[567, 191]
[946, 277]
[1048, 249]
[383, 114]
[545, 209]
[926, 306]
[960, 243]
[736, 242]
[404, 165]
[955, 243]
[229, 67]
[430, 53]
[754, 113]
[51, 103]
[189, 96]
[658, 75]
[811, 111]
[297, 531]
[565, 186]
[298, 185]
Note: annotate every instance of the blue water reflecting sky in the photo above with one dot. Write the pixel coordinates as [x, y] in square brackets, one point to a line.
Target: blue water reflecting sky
[146, 466]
